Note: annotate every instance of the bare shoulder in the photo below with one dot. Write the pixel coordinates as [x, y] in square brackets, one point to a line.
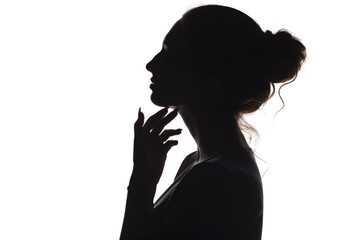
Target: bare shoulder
[189, 159]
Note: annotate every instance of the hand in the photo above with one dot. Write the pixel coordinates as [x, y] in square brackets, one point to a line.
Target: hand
[151, 146]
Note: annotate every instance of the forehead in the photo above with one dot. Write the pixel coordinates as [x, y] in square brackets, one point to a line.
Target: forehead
[175, 37]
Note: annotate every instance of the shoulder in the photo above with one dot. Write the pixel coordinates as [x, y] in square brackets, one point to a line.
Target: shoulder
[240, 163]
[210, 202]
[218, 175]
[208, 171]
[219, 183]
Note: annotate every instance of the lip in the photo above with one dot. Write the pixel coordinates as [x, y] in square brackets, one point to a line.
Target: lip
[153, 79]
[152, 86]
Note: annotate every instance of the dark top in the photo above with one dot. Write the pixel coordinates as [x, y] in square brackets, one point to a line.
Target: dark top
[219, 198]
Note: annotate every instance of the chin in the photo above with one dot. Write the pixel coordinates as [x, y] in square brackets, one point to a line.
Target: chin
[157, 101]
[163, 101]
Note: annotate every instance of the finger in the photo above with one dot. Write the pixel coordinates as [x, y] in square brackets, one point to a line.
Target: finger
[168, 133]
[169, 144]
[140, 121]
[151, 122]
[164, 121]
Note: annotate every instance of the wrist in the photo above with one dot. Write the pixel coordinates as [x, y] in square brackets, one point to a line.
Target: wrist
[139, 183]
[141, 191]
[142, 177]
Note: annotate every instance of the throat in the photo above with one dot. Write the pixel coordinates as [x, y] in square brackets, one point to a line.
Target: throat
[214, 132]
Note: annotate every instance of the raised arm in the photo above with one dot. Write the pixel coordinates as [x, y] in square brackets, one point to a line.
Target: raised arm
[151, 146]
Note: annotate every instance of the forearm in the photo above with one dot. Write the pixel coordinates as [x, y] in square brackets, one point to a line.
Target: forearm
[138, 211]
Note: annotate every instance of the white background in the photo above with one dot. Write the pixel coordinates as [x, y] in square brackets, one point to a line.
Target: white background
[72, 77]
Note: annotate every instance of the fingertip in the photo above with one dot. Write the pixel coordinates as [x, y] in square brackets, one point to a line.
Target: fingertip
[140, 120]
[140, 113]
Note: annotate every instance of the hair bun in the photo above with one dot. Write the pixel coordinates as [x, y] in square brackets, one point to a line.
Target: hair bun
[285, 55]
[269, 35]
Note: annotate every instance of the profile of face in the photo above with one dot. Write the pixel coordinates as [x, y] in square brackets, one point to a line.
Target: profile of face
[172, 81]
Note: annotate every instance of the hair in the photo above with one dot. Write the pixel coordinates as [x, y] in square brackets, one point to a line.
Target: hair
[226, 43]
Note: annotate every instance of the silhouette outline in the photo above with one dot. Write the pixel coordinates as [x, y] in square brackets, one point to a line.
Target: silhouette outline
[216, 65]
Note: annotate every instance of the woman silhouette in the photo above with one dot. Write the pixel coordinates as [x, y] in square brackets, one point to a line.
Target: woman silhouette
[216, 65]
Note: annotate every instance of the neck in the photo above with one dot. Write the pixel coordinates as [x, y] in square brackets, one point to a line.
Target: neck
[212, 128]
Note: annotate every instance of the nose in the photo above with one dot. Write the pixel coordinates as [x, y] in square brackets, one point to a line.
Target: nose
[151, 65]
